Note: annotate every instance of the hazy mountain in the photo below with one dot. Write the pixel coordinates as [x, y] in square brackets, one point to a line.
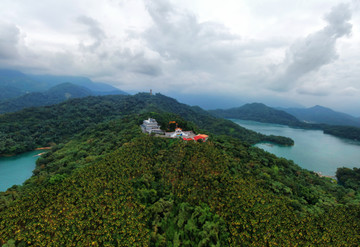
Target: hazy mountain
[257, 112]
[14, 83]
[320, 114]
[52, 80]
[52, 96]
[262, 113]
[8, 92]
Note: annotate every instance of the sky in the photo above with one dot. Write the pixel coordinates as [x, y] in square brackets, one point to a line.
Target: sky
[206, 52]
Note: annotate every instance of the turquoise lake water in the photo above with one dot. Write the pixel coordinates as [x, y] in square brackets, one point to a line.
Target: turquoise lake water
[16, 169]
[313, 150]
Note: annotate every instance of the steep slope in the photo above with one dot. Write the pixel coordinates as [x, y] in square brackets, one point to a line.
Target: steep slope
[30, 128]
[52, 96]
[257, 112]
[111, 185]
[320, 114]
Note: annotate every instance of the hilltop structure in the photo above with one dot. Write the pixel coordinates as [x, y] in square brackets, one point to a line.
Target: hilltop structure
[179, 133]
[151, 126]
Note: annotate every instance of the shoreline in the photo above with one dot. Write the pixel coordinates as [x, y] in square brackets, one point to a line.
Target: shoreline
[36, 149]
[42, 148]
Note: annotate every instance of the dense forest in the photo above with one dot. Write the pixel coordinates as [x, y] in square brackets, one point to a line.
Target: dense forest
[348, 132]
[112, 185]
[42, 126]
[349, 178]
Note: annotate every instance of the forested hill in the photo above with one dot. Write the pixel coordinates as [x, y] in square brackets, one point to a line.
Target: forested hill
[52, 96]
[257, 112]
[112, 185]
[33, 127]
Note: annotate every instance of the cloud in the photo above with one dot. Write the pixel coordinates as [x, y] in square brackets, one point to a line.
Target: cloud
[313, 52]
[322, 89]
[9, 40]
[350, 91]
[190, 47]
[95, 32]
[181, 40]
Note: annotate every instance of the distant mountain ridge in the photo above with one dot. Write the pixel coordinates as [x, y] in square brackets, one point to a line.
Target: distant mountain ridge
[53, 80]
[262, 113]
[52, 96]
[8, 92]
[319, 114]
[257, 112]
[14, 83]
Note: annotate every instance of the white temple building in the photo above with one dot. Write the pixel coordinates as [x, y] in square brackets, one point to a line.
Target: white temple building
[151, 126]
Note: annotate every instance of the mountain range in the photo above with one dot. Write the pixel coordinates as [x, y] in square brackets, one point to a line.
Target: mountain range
[320, 114]
[52, 96]
[288, 116]
[257, 112]
[18, 90]
[14, 83]
[262, 113]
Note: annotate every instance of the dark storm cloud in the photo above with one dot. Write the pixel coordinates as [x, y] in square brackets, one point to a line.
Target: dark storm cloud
[311, 53]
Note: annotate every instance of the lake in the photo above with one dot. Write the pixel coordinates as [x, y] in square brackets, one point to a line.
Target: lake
[16, 169]
[313, 150]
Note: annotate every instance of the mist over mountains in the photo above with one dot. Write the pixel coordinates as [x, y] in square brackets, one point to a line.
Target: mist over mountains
[15, 83]
[19, 90]
[320, 114]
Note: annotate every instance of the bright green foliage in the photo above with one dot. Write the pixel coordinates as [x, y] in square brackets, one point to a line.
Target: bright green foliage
[187, 225]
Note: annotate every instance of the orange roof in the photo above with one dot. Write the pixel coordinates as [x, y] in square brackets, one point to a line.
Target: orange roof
[202, 135]
[199, 137]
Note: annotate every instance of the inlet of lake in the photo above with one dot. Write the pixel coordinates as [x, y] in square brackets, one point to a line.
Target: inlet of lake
[15, 170]
[313, 150]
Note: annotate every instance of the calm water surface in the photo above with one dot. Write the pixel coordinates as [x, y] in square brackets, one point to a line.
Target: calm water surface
[16, 169]
[313, 149]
